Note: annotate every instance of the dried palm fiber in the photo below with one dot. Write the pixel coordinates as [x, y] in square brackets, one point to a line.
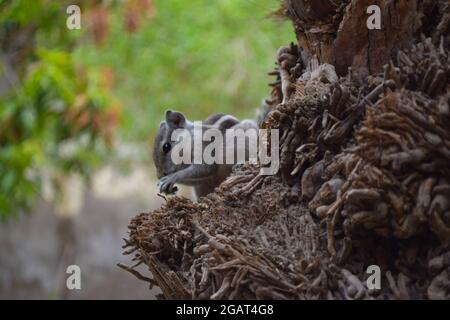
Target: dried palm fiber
[364, 180]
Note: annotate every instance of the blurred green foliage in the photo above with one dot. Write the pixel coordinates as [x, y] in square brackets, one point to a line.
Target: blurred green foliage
[55, 113]
[131, 61]
[196, 56]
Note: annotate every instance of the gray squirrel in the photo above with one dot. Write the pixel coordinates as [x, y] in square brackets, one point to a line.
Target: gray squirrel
[202, 177]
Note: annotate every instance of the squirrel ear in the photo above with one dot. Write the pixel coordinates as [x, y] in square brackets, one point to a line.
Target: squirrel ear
[175, 119]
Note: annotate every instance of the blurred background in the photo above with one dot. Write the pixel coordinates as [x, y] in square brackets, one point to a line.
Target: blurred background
[78, 112]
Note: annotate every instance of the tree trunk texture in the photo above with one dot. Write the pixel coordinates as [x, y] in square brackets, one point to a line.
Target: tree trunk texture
[364, 174]
[336, 31]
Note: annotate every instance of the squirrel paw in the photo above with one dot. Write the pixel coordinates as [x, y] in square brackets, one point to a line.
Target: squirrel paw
[166, 184]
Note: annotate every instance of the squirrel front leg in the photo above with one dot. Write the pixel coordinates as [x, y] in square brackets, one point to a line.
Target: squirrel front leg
[193, 175]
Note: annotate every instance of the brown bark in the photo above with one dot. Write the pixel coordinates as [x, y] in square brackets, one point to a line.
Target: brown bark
[338, 35]
[364, 176]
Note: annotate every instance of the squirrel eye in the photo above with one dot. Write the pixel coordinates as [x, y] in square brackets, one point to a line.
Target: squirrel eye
[166, 147]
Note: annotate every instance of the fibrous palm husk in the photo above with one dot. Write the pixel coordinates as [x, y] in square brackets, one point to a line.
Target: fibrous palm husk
[364, 180]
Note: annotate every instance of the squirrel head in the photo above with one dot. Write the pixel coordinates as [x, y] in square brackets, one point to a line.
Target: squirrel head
[163, 144]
